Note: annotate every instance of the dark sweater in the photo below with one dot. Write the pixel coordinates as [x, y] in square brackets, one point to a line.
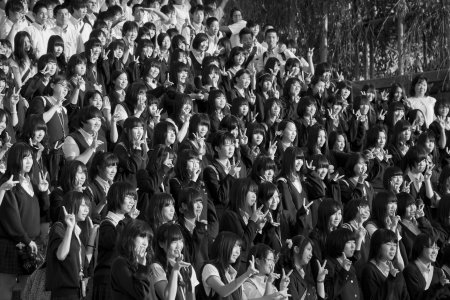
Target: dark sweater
[415, 283]
[129, 282]
[375, 286]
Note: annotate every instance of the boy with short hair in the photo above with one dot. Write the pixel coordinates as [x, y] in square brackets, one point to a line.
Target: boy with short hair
[40, 29]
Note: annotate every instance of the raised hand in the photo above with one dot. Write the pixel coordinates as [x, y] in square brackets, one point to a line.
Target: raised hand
[285, 280]
[271, 220]
[340, 77]
[406, 187]
[384, 95]
[136, 59]
[43, 183]
[309, 165]
[345, 262]
[252, 97]
[180, 263]
[419, 212]
[105, 54]
[141, 255]
[272, 148]
[252, 270]
[7, 185]
[69, 219]
[335, 177]
[310, 53]
[15, 97]
[168, 83]
[95, 143]
[331, 115]
[33, 247]
[46, 71]
[392, 270]
[382, 115]
[243, 138]
[322, 271]
[429, 172]
[306, 206]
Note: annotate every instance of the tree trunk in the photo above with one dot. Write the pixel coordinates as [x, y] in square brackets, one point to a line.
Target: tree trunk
[400, 39]
[324, 38]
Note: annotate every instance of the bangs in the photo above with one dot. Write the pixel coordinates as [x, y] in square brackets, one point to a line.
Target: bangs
[253, 187]
[173, 234]
[59, 43]
[270, 165]
[111, 160]
[259, 130]
[389, 237]
[133, 122]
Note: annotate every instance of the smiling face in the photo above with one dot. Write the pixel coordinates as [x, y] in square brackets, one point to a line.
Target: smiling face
[335, 219]
[273, 201]
[27, 163]
[349, 248]
[266, 265]
[83, 211]
[250, 199]
[339, 145]
[388, 251]
[168, 212]
[127, 204]
[175, 249]
[420, 88]
[306, 256]
[429, 254]
[235, 253]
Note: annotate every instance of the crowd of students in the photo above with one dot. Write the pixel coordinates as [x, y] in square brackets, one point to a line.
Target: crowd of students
[156, 150]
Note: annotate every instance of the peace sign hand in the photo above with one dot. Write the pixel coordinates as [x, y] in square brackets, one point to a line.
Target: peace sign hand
[252, 97]
[392, 270]
[251, 270]
[7, 185]
[420, 212]
[406, 187]
[272, 277]
[285, 280]
[322, 271]
[384, 95]
[306, 206]
[136, 59]
[271, 220]
[272, 148]
[69, 219]
[340, 77]
[345, 262]
[335, 177]
[43, 183]
[243, 138]
[105, 54]
[46, 71]
[15, 97]
[331, 115]
[429, 172]
[441, 121]
[309, 165]
[382, 115]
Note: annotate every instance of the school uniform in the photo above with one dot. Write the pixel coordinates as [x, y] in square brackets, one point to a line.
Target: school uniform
[130, 282]
[130, 162]
[423, 282]
[341, 284]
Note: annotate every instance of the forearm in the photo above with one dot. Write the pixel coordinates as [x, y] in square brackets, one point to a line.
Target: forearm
[428, 189]
[183, 131]
[64, 247]
[171, 290]
[321, 290]
[90, 246]
[443, 139]
[74, 96]
[49, 114]
[14, 117]
[85, 156]
[228, 289]
[113, 133]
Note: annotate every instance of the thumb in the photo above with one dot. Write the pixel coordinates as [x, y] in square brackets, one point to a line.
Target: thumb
[64, 210]
[344, 256]
[11, 178]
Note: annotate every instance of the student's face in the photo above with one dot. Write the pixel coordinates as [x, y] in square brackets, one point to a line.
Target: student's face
[298, 164]
[213, 29]
[392, 208]
[275, 110]
[38, 136]
[381, 141]
[96, 101]
[266, 265]
[121, 81]
[203, 46]
[93, 125]
[80, 69]
[147, 52]
[349, 248]
[345, 93]
[239, 59]
[193, 165]
[152, 108]
[268, 175]
[127, 204]
[140, 243]
[396, 181]
[421, 166]
[319, 88]
[237, 16]
[267, 85]
[311, 110]
[202, 130]
[109, 172]
[60, 89]
[235, 253]
[131, 35]
[166, 43]
[364, 109]
[174, 249]
[247, 41]
[168, 212]
[360, 168]
[321, 138]
[271, 39]
[16, 15]
[340, 143]
[80, 177]
[420, 88]
[244, 80]
[171, 135]
[137, 133]
[410, 211]
[364, 212]
[5, 68]
[398, 94]
[62, 17]
[198, 16]
[429, 145]
[41, 16]
[154, 72]
[182, 76]
[243, 110]
[91, 6]
[388, 251]
[58, 50]
[50, 8]
[429, 254]
[27, 163]
[80, 13]
[220, 102]
[322, 172]
[27, 44]
[255, 29]
[335, 219]
[290, 132]
[443, 110]
[273, 202]
[250, 199]
[83, 211]
[226, 150]
[118, 52]
[399, 114]
[139, 15]
[257, 139]
[307, 254]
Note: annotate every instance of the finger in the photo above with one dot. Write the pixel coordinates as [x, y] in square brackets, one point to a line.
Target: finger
[289, 274]
[64, 211]
[344, 256]
[137, 58]
[283, 272]
[261, 207]
[309, 204]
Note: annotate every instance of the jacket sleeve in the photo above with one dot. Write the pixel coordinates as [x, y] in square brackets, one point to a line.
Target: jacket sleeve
[124, 280]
